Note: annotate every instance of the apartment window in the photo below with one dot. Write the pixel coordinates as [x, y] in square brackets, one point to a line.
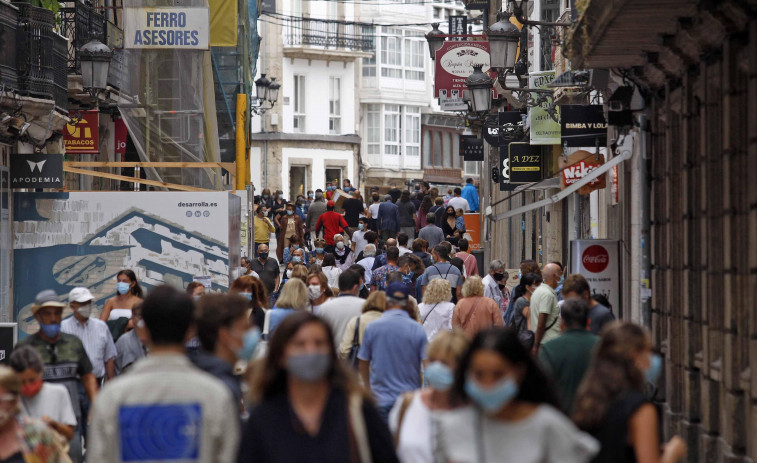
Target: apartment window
[414, 54]
[437, 13]
[335, 111]
[391, 53]
[472, 168]
[392, 129]
[369, 64]
[412, 130]
[373, 128]
[298, 122]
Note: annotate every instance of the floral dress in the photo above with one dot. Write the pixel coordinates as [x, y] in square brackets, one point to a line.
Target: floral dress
[39, 443]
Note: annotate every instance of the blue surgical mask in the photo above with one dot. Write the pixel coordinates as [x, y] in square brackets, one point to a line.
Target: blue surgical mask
[290, 212]
[652, 373]
[196, 298]
[439, 376]
[495, 398]
[562, 279]
[122, 287]
[319, 250]
[520, 274]
[247, 296]
[50, 330]
[249, 344]
[296, 259]
[360, 226]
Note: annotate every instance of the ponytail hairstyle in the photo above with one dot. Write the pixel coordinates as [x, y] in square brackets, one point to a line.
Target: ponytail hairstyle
[136, 289]
[526, 280]
[612, 372]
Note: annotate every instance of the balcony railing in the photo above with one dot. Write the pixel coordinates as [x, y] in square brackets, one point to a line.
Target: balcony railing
[336, 35]
[34, 56]
[80, 23]
[8, 27]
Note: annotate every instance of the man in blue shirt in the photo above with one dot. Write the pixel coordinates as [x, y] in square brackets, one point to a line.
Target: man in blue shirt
[388, 219]
[470, 194]
[392, 351]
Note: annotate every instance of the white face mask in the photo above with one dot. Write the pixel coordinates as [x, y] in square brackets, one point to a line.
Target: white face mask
[85, 310]
[289, 274]
[314, 292]
[340, 245]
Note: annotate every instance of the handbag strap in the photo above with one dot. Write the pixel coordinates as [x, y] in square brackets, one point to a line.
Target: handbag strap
[357, 422]
[552, 324]
[266, 323]
[470, 314]
[429, 313]
[356, 334]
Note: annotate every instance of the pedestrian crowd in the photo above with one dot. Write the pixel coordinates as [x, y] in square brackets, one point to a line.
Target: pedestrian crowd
[372, 336]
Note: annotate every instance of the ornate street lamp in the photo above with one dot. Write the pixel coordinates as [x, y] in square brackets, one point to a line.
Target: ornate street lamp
[94, 57]
[435, 39]
[480, 86]
[503, 43]
[273, 91]
[261, 87]
[266, 91]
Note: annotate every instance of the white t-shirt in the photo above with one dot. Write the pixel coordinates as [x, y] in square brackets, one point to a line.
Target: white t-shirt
[358, 238]
[339, 311]
[438, 320]
[545, 436]
[459, 203]
[53, 401]
[332, 273]
[367, 264]
[373, 210]
[416, 436]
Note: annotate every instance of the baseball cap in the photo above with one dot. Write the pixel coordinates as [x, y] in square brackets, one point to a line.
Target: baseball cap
[46, 298]
[398, 290]
[80, 294]
[330, 203]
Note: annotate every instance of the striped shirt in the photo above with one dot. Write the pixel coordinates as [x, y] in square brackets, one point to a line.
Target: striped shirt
[97, 340]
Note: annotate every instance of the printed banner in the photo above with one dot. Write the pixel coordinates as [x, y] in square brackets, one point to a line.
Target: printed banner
[36, 171]
[544, 129]
[184, 27]
[598, 262]
[83, 137]
[120, 134]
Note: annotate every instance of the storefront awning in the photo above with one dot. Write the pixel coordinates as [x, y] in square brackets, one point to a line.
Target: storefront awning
[564, 193]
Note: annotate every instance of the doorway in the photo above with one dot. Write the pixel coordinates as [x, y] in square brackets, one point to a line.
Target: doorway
[298, 181]
[334, 174]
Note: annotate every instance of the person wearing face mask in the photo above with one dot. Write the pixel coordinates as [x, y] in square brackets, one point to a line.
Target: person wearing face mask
[226, 337]
[254, 291]
[545, 311]
[316, 209]
[128, 293]
[196, 290]
[164, 398]
[436, 310]
[290, 225]
[268, 269]
[338, 311]
[24, 439]
[318, 253]
[364, 289]
[576, 286]
[560, 283]
[319, 291]
[66, 361]
[307, 407]
[507, 408]
[131, 346]
[521, 321]
[611, 404]
[343, 255]
[526, 267]
[413, 417]
[493, 280]
[46, 401]
[332, 223]
[358, 236]
[293, 298]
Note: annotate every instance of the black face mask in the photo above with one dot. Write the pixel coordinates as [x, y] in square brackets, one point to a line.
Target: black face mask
[498, 276]
[501, 286]
[263, 255]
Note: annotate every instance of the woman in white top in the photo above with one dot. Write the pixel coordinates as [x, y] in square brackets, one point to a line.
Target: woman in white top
[128, 293]
[436, 309]
[511, 409]
[330, 269]
[318, 290]
[413, 418]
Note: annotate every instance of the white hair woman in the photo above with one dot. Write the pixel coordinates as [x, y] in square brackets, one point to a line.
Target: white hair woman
[436, 309]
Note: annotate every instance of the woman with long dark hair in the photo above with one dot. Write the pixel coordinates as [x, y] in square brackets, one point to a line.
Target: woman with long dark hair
[611, 404]
[128, 293]
[509, 410]
[449, 225]
[308, 407]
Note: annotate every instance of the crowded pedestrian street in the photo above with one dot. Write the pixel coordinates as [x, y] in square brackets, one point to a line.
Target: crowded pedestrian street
[378, 231]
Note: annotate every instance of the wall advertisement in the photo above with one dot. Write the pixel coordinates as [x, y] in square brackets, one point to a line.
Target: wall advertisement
[599, 262]
[64, 240]
[544, 129]
[172, 28]
[454, 63]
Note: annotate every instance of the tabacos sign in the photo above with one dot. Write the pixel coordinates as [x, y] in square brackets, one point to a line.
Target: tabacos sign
[36, 171]
[579, 165]
[183, 28]
[83, 136]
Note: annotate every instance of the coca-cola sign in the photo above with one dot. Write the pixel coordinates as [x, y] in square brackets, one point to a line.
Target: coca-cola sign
[595, 259]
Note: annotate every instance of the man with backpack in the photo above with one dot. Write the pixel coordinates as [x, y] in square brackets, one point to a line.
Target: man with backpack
[443, 269]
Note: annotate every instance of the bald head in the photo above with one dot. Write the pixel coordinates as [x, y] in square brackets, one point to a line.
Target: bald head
[391, 242]
[550, 273]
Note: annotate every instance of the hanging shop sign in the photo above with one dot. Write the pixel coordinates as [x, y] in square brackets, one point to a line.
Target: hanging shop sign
[36, 171]
[120, 133]
[471, 148]
[174, 28]
[504, 169]
[496, 137]
[598, 262]
[454, 63]
[577, 166]
[8, 339]
[545, 130]
[583, 125]
[525, 163]
[458, 25]
[82, 137]
[477, 5]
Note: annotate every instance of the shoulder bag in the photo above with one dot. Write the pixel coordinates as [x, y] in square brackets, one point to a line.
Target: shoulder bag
[262, 348]
[429, 313]
[472, 311]
[357, 425]
[355, 348]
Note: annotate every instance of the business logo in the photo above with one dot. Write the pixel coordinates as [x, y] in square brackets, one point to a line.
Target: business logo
[595, 259]
[36, 165]
[83, 137]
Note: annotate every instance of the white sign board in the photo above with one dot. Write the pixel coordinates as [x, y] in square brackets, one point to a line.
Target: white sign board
[598, 261]
[166, 28]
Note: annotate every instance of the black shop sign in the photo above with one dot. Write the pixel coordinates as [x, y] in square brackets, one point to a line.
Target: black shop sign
[477, 5]
[471, 148]
[496, 136]
[525, 163]
[36, 171]
[583, 125]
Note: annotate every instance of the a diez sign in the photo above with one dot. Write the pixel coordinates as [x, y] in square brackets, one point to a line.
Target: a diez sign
[166, 28]
[36, 171]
